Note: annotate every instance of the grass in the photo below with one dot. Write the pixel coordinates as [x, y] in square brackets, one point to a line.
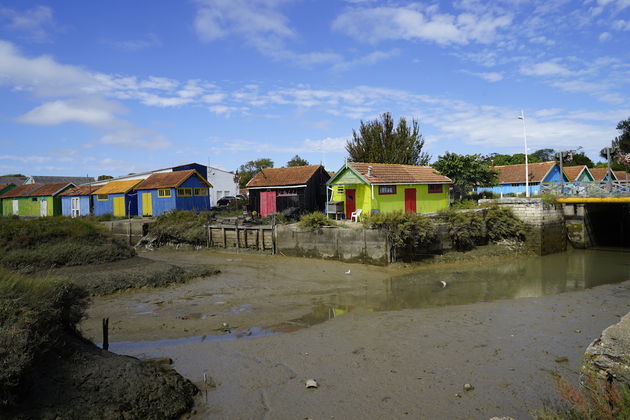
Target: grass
[35, 316]
[181, 226]
[315, 221]
[35, 244]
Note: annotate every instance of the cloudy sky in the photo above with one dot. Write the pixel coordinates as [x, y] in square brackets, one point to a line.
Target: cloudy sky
[120, 86]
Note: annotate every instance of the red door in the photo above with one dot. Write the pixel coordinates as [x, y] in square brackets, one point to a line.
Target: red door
[351, 204]
[267, 203]
[410, 200]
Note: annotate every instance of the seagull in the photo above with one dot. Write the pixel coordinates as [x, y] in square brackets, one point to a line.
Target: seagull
[443, 283]
[348, 272]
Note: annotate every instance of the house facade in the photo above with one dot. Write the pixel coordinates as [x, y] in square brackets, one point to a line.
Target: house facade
[34, 200]
[602, 174]
[78, 201]
[224, 184]
[386, 188]
[3, 189]
[511, 178]
[177, 190]
[116, 198]
[578, 173]
[299, 188]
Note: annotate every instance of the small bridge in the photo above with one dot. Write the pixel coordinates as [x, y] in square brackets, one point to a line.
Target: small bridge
[588, 192]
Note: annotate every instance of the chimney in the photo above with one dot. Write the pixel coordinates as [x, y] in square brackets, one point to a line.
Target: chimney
[369, 171]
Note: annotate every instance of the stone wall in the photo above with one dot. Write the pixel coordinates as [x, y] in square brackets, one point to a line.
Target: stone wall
[131, 230]
[544, 223]
[344, 244]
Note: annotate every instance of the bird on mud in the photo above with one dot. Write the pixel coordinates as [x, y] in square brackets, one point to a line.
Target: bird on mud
[443, 283]
[348, 272]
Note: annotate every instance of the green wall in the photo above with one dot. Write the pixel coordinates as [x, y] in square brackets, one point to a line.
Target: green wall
[30, 208]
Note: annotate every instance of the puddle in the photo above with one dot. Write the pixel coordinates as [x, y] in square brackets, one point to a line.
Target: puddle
[126, 346]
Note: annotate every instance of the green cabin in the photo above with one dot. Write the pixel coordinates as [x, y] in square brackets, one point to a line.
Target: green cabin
[386, 188]
[3, 189]
[34, 200]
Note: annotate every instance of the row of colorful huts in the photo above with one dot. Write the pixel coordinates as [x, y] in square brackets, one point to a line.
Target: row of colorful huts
[152, 196]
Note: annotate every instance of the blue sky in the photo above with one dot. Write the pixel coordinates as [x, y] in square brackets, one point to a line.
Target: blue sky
[115, 87]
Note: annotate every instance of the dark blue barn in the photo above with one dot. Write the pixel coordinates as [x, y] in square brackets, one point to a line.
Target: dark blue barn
[177, 190]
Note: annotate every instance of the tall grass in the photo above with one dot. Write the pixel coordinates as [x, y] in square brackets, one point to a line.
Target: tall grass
[181, 226]
[57, 241]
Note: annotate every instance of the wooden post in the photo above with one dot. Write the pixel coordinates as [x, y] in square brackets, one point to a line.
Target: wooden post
[129, 232]
[210, 236]
[245, 238]
[238, 245]
[224, 237]
[105, 333]
[207, 236]
[260, 235]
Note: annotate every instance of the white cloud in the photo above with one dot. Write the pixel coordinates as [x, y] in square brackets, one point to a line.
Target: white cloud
[488, 76]
[409, 23]
[34, 24]
[134, 137]
[91, 111]
[547, 68]
[604, 36]
[621, 25]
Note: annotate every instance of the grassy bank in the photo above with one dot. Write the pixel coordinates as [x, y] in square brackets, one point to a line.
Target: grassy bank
[35, 244]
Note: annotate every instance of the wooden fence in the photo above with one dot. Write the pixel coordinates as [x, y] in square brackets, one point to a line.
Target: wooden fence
[262, 238]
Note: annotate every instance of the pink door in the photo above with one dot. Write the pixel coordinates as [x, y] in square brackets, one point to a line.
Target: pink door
[267, 203]
[410, 200]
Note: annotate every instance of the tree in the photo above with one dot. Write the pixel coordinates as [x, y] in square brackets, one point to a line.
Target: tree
[620, 147]
[379, 142]
[498, 159]
[466, 172]
[297, 161]
[247, 170]
[579, 159]
[544, 155]
[104, 177]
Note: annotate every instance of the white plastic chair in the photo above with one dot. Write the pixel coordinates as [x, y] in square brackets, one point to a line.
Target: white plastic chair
[356, 215]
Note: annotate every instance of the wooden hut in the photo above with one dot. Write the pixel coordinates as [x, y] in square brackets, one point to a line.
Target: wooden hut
[300, 188]
[78, 201]
[3, 189]
[177, 190]
[33, 200]
[117, 198]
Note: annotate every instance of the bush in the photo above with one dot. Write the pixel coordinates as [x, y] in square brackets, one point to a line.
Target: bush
[502, 224]
[57, 241]
[464, 205]
[315, 221]
[35, 316]
[181, 226]
[464, 228]
[407, 231]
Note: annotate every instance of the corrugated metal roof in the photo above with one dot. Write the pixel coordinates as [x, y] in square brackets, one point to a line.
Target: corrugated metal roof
[76, 180]
[389, 173]
[572, 172]
[17, 180]
[118, 187]
[515, 174]
[598, 173]
[19, 191]
[273, 177]
[169, 180]
[80, 190]
[35, 190]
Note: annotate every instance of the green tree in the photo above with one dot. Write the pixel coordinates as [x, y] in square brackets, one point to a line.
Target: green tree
[579, 159]
[466, 172]
[247, 170]
[13, 175]
[544, 155]
[297, 161]
[104, 177]
[379, 142]
[498, 159]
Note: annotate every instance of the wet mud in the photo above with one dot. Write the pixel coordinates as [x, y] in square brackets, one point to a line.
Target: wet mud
[383, 342]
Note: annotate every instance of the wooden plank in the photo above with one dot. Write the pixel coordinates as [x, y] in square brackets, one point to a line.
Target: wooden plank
[224, 238]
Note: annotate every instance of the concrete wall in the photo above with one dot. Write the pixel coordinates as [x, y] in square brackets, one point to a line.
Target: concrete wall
[345, 244]
[545, 231]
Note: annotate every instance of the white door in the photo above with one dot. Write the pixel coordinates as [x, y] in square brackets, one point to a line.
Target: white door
[43, 208]
[75, 207]
[15, 207]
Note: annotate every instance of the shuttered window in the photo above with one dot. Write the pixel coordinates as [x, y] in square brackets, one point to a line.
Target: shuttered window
[164, 193]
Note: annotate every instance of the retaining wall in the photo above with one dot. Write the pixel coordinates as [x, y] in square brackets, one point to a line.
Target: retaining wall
[545, 230]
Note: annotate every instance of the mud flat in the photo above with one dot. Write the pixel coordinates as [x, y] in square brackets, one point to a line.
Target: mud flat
[373, 357]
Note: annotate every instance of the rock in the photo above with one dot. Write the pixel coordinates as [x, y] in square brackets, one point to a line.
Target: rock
[160, 361]
[311, 383]
[609, 352]
[468, 387]
[561, 359]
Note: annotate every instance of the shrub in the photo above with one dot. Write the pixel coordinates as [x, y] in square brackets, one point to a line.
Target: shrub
[35, 316]
[502, 224]
[315, 221]
[464, 205]
[56, 241]
[408, 231]
[181, 226]
[464, 228]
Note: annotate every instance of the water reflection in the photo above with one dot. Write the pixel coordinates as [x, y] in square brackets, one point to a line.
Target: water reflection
[524, 277]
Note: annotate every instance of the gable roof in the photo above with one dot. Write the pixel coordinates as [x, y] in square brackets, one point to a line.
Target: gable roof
[276, 177]
[76, 180]
[3, 186]
[600, 173]
[118, 187]
[389, 173]
[19, 191]
[17, 180]
[573, 172]
[36, 190]
[621, 176]
[169, 180]
[515, 174]
[80, 190]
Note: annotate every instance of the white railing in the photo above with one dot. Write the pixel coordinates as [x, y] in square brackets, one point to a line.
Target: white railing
[586, 189]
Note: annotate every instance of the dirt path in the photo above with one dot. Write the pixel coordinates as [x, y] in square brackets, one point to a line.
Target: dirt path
[391, 364]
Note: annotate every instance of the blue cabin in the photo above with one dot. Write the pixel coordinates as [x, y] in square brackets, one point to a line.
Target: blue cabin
[78, 201]
[177, 190]
[512, 178]
[117, 198]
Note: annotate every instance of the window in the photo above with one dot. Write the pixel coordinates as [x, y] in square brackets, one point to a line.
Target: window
[201, 191]
[34, 199]
[164, 192]
[386, 189]
[340, 189]
[184, 192]
[435, 188]
[102, 197]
